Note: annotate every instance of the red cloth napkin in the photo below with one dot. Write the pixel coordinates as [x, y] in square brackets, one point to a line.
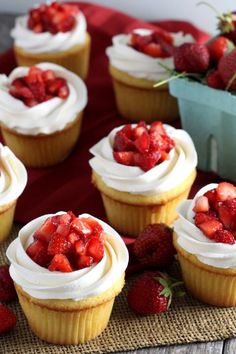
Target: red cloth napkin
[67, 186]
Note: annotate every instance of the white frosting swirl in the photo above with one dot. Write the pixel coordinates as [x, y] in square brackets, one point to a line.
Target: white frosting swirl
[41, 283]
[13, 176]
[192, 239]
[140, 65]
[47, 42]
[132, 179]
[46, 117]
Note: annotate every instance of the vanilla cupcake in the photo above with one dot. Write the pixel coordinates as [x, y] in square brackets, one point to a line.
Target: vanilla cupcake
[61, 39]
[13, 178]
[137, 62]
[205, 243]
[67, 306]
[41, 110]
[139, 188]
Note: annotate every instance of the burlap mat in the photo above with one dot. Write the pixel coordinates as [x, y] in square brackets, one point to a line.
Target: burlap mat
[187, 321]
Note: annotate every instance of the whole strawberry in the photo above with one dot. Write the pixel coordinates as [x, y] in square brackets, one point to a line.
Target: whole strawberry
[8, 319]
[154, 246]
[191, 58]
[151, 293]
[7, 289]
[219, 46]
[227, 70]
[213, 79]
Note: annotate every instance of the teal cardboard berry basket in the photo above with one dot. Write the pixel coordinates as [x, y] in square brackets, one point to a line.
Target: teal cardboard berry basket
[209, 116]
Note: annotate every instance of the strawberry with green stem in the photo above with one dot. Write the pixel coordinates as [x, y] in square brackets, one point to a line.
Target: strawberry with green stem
[152, 293]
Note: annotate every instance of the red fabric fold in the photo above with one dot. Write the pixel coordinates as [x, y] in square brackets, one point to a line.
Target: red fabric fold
[67, 186]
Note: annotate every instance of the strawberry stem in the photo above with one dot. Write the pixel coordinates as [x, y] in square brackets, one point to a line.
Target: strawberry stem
[162, 82]
[210, 6]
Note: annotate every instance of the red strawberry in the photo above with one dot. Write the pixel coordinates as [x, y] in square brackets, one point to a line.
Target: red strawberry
[154, 246]
[201, 204]
[37, 251]
[95, 249]
[58, 244]
[224, 236]
[142, 143]
[191, 58]
[48, 75]
[122, 142]
[81, 227]
[38, 86]
[124, 157]
[219, 46]
[84, 261]
[8, 319]
[210, 227]
[60, 263]
[201, 218]
[53, 18]
[225, 191]
[80, 247]
[139, 130]
[65, 234]
[150, 293]
[7, 289]
[157, 127]
[45, 232]
[214, 80]
[97, 230]
[227, 70]
[153, 49]
[227, 213]
[211, 196]
[147, 160]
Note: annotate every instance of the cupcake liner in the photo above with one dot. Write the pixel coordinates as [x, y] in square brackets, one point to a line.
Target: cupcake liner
[214, 286]
[43, 150]
[137, 99]
[6, 219]
[129, 213]
[69, 321]
[75, 59]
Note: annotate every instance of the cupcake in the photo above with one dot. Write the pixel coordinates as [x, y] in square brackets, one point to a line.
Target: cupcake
[13, 178]
[41, 111]
[143, 172]
[53, 33]
[67, 272]
[137, 61]
[205, 242]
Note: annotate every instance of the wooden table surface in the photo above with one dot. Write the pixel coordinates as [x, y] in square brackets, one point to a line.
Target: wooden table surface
[218, 347]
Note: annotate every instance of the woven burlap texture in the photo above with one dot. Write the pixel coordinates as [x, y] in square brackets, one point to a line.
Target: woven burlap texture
[186, 321]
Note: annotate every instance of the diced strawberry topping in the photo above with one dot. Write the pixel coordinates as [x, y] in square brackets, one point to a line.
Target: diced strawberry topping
[216, 213]
[225, 191]
[201, 204]
[95, 249]
[142, 146]
[38, 86]
[53, 18]
[210, 227]
[84, 261]
[58, 244]
[45, 232]
[124, 157]
[37, 251]
[224, 236]
[157, 44]
[60, 263]
[66, 243]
